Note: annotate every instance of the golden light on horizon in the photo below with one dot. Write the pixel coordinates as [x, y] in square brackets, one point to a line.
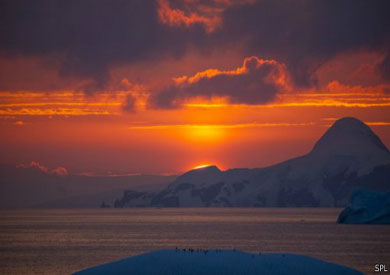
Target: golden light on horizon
[201, 166]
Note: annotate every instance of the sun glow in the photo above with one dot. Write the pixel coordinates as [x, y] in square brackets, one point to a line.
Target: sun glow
[201, 166]
[204, 133]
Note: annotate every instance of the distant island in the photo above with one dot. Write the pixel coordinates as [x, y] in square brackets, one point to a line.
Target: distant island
[30, 187]
[347, 157]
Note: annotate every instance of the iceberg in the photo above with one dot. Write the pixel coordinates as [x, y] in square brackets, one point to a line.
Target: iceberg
[367, 207]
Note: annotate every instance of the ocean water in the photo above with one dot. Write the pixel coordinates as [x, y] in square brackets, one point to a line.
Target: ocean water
[62, 241]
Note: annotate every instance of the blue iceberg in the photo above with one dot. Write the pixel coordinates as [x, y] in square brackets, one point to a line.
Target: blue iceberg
[367, 207]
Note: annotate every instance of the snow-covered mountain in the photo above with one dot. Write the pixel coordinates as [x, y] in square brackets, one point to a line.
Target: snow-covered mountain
[348, 156]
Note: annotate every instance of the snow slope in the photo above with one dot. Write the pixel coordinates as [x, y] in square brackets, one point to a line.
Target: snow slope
[348, 156]
[219, 262]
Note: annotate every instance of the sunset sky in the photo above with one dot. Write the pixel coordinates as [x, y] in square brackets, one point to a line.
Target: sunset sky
[132, 86]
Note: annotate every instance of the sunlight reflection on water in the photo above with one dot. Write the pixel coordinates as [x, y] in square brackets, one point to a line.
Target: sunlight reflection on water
[63, 241]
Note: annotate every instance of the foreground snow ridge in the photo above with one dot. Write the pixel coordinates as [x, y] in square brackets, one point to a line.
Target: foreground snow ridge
[218, 262]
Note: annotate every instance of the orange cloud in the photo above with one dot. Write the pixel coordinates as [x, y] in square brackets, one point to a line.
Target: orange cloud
[59, 103]
[347, 100]
[257, 81]
[370, 123]
[135, 95]
[336, 86]
[378, 123]
[19, 123]
[60, 171]
[52, 112]
[252, 63]
[176, 17]
[218, 126]
[208, 14]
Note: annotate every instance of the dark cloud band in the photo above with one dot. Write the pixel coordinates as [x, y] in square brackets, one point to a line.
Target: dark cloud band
[256, 82]
[88, 38]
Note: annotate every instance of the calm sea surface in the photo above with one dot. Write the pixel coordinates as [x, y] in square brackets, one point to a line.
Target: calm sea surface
[64, 241]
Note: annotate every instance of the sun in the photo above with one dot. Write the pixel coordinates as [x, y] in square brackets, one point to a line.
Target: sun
[201, 166]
